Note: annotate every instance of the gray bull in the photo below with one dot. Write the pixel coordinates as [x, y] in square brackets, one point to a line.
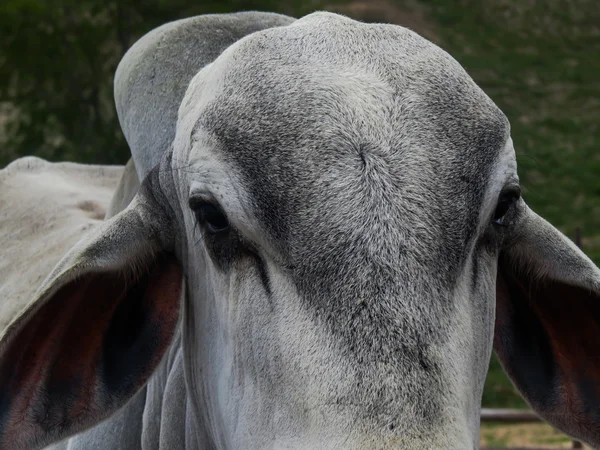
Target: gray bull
[328, 240]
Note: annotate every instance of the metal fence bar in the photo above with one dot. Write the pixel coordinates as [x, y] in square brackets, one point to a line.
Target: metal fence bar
[508, 415]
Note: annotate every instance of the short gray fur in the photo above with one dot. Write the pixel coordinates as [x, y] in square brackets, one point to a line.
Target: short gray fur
[351, 304]
[152, 77]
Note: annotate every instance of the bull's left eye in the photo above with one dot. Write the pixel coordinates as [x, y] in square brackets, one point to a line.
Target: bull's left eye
[210, 216]
[508, 197]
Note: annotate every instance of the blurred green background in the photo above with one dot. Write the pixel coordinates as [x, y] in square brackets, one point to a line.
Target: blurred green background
[538, 60]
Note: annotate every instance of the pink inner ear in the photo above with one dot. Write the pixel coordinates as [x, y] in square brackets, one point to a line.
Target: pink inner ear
[548, 339]
[571, 317]
[53, 372]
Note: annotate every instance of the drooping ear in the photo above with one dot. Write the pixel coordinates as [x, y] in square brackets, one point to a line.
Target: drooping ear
[94, 333]
[547, 332]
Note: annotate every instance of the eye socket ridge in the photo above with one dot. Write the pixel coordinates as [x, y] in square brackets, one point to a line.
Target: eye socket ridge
[209, 215]
[506, 200]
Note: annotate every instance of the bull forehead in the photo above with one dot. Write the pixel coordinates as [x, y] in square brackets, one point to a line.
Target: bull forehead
[350, 137]
[366, 153]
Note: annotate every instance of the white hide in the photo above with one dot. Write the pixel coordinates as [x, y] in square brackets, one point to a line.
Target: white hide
[45, 208]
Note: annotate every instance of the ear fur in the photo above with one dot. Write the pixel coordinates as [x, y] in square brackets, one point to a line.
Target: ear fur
[154, 74]
[95, 332]
[548, 327]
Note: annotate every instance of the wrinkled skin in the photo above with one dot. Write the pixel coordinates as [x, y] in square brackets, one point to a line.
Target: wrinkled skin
[343, 292]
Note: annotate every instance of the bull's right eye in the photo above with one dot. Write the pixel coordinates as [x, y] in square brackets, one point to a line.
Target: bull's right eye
[210, 216]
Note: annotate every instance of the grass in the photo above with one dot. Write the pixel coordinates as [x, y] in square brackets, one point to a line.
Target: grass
[537, 61]
[499, 391]
[522, 435]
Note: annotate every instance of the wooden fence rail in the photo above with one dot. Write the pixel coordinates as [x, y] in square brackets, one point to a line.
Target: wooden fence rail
[515, 416]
